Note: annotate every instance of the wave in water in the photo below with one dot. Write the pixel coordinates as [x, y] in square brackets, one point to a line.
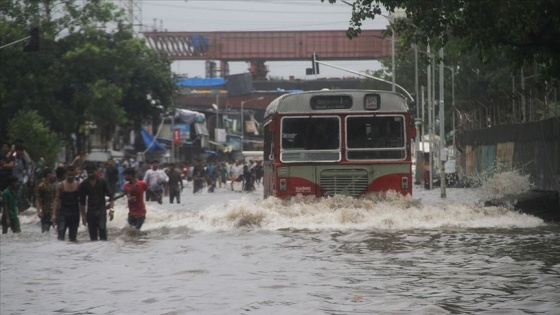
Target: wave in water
[227, 211]
[376, 212]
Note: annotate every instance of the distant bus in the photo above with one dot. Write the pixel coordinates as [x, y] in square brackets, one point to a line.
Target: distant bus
[349, 142]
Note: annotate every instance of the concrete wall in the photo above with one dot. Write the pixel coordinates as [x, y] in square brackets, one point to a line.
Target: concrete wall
[533, 148]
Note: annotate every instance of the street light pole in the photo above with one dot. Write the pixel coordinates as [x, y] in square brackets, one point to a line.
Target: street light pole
[419, 134]
[243, 121]
[430, 123]
[394, 74]
[173, 138]
[443, 156]
[242, 126]
[217, 111]
[453, 100]
[15, 42]
[431, 93]
[453, 104]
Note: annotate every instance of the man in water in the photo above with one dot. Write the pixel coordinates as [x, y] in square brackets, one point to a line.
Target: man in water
[22, 171]
[67, 206]
[45, 200]
[6, 165]
[237, 174]
[134, 190]
[94, 189]
[10, 207]
[155, 178]
[175, 184]
[199, 176]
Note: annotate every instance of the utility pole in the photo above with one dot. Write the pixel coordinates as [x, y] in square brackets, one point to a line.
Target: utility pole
[430, 122]
[416, 95]
[394, 74]
[442, 154]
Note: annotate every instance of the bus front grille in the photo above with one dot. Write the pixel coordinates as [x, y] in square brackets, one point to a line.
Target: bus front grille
[350, 182]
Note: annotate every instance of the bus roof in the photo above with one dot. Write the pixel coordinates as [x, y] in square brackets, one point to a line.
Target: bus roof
[325, 101]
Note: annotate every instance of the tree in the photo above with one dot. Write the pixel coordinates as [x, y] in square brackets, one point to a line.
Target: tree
[89, 69]
[523, 32]
[40, 140]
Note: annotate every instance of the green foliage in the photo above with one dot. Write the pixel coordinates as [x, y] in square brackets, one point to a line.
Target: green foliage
[90, 68]
[521, 32]
[39, 139]
[486, 43]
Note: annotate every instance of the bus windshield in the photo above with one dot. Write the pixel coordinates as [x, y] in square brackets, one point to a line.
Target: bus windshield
[310, 138]
[375, 137]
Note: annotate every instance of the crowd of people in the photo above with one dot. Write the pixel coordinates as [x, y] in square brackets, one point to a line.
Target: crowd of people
[217, 174]
[85, 192]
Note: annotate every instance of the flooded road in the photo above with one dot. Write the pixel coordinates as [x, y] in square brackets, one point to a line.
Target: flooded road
[233, 253]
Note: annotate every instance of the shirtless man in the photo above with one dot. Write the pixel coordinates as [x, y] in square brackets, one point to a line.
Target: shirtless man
[67, 206]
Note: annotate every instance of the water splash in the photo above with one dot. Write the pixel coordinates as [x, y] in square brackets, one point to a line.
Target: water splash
[500, 180]
[505, 183]
[226, 211]
[382, 211]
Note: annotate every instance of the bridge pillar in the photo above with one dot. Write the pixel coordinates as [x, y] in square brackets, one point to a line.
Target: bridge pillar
[258, 69]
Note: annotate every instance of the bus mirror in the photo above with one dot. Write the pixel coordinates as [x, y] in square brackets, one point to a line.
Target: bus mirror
[413, 132]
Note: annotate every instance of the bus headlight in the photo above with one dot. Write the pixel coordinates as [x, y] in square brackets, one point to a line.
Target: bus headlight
[283, 184]
[404, 183]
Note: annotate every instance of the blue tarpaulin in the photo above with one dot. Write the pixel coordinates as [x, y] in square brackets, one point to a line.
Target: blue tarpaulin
[150, 142]
[194, 82]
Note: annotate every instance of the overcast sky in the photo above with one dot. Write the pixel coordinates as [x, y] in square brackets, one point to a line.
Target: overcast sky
[254, 15]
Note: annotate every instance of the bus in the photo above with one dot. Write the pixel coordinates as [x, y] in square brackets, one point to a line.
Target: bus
[349, 142]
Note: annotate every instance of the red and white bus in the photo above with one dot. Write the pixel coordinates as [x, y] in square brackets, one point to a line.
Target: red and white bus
[328, 142]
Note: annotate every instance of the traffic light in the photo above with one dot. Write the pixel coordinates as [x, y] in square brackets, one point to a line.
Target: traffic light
[32, 43]
[314, 65]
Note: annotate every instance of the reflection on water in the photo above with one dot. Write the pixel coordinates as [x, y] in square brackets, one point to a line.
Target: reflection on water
[493, 271]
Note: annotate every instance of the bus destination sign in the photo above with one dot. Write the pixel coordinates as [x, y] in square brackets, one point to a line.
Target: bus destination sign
[320, 102]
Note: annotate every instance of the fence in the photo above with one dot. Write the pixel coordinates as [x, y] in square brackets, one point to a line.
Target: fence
[520, 105]
[533, 147]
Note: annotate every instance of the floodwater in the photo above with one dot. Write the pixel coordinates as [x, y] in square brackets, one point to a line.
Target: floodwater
[233, 253]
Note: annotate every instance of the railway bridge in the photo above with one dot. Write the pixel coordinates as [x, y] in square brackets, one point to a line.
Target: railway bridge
[259, 47]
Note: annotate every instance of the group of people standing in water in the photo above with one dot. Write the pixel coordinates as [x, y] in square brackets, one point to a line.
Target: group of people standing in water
[85, 192]
[63, 201]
